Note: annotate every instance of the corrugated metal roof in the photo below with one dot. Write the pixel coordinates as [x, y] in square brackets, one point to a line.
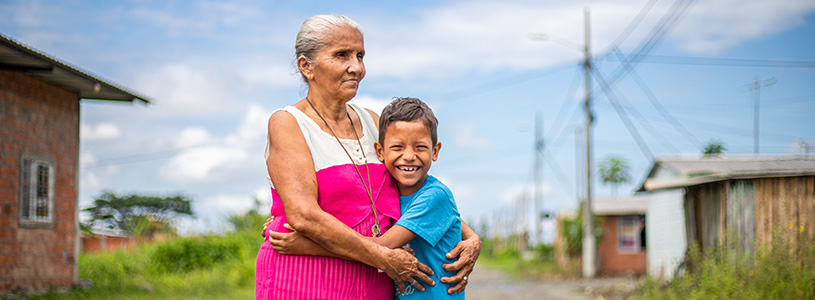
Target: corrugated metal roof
[620, 206]
[729, 165]
[16, 56]
[683, 172]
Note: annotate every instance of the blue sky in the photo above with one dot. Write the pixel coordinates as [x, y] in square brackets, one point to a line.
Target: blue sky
[217, 69]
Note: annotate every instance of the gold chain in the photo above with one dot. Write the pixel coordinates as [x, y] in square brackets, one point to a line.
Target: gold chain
[375, 230]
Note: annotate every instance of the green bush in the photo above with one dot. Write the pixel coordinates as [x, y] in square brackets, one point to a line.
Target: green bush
[187, 254]
[778, 272]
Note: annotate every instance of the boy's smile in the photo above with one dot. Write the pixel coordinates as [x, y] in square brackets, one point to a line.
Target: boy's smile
[408, 152]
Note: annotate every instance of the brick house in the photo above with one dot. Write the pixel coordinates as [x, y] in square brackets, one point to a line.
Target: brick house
[39, 164]
[622, 250]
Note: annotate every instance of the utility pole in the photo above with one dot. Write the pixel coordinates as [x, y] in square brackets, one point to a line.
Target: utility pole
[756, 89]
[538, 178]
[589, 262]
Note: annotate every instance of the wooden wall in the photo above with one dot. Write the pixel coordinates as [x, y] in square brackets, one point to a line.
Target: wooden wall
[744, 212]
[785, 208]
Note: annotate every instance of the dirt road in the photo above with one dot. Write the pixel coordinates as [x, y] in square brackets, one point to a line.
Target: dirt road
[494, 285]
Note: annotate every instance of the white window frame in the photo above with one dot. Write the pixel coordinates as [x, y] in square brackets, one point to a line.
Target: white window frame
[36, 192]
[629, 226]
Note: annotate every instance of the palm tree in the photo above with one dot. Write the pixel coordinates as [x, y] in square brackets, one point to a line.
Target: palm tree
[614, 170]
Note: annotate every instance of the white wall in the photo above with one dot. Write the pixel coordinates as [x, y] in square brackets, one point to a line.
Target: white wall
[665, 230]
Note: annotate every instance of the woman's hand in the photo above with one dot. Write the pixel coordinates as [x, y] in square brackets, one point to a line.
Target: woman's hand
[293, 243]
[403, 267]
[467, 252]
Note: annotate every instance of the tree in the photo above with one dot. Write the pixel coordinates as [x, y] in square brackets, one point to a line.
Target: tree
[138, 214]
[614, 170]
[714, 148]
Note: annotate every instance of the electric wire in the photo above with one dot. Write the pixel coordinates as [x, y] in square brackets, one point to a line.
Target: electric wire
[623, 115]
[156, 155]
[721, 62]
[661, 109]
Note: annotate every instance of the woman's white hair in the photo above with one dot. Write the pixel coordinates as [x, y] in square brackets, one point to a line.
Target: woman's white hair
[313, 34]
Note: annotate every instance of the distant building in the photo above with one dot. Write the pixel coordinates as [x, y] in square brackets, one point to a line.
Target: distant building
[39, 164]
[622, 250]
[733, 202]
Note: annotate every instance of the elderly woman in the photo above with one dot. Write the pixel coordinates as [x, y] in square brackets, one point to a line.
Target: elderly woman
[329, 186]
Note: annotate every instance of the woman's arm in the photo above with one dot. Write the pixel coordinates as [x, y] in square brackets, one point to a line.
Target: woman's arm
[467, 252]
[294, 243]
[292, 171]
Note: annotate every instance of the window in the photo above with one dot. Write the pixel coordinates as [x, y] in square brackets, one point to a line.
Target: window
[37, 191]
[630, 231]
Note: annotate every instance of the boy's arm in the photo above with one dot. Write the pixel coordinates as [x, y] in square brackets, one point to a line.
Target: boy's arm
[396, 237]
[294, 243]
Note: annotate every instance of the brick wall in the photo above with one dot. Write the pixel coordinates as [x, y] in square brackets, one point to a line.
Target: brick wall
[611, 260]
[100, 243]
[42, 119]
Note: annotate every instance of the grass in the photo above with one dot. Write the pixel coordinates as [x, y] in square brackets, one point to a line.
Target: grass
[207, 267]
[538, 263]
[771, 273]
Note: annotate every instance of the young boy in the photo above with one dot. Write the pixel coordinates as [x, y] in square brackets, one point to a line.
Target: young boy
[430, 224]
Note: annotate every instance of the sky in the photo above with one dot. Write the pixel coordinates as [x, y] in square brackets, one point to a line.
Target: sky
[215, 71]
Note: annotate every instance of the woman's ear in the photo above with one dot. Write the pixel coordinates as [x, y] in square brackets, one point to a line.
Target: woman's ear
[305, 67]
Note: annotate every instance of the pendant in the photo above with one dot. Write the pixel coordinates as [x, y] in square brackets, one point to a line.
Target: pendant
[375, 230]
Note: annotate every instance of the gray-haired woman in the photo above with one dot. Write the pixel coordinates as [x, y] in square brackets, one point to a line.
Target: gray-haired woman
[329, 186]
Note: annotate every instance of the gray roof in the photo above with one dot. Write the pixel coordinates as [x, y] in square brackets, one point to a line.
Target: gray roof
[636, 205]
[16, 56]
[682, 172]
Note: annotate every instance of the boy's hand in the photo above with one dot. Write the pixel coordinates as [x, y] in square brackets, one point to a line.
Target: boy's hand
[266, 227]
[467, 252]
[292, 243]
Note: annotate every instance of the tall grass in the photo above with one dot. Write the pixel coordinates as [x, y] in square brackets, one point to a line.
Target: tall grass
[205, 267]
[777, 272]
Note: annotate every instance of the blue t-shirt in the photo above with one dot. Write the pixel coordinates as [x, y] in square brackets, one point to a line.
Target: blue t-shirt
[431, 214]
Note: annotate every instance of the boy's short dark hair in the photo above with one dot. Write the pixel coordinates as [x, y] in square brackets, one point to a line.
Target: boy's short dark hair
[407, 109]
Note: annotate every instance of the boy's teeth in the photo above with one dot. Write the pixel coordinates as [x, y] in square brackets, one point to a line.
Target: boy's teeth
[409, 169]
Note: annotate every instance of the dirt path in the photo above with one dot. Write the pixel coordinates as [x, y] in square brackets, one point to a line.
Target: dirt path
[493, 285]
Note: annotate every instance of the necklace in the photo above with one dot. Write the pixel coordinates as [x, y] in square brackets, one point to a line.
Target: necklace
[376, 230]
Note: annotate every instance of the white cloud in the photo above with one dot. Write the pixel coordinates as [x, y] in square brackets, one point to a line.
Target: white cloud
[202, 164]
[187, 89]
[372, 103]
[517, 191]
[102, 131]
[715, 26]
[447, 40]
[192, 136]
[467, 136]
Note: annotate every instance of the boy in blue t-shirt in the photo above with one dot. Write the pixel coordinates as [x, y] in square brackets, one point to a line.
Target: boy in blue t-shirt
[430, 223]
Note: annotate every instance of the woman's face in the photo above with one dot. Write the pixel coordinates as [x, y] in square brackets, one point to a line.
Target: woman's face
[338, 67]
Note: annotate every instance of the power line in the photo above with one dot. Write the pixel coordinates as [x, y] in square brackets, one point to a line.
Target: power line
[621, 112]
[723, 62]
[631, 26]
[661, 109]
[150, 156]
[562, 111]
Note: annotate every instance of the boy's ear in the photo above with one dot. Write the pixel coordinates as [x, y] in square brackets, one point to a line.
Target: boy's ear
[436, 150]
[379, 152]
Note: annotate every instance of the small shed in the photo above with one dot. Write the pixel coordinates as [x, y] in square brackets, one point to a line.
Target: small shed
[39, 164]
[738, 202]
[622, 250]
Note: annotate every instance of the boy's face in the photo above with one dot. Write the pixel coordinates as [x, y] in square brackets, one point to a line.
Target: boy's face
[407, 153]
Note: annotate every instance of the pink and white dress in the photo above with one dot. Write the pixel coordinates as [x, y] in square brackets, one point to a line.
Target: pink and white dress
[341, 194]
